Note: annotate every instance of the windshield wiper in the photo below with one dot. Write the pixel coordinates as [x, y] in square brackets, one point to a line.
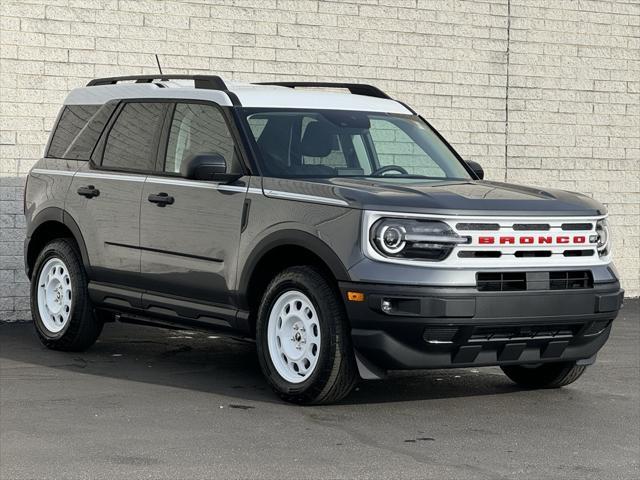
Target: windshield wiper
[411, 176]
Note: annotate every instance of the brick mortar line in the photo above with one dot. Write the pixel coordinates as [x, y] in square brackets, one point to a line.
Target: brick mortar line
[506, 93]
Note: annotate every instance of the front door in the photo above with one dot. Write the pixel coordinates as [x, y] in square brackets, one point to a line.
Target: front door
[189, 244]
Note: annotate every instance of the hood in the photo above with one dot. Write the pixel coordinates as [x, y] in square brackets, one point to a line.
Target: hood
[449, 197]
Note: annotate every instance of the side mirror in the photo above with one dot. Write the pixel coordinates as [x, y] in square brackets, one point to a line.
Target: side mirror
[476, 168]
[205, 166]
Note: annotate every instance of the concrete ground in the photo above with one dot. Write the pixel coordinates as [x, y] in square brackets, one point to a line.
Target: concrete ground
[150, 403]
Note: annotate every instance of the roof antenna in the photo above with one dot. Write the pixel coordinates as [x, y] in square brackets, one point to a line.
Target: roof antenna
[158, 62]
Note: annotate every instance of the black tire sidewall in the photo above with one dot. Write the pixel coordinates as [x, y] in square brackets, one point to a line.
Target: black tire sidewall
[312, 385]
[78, 294]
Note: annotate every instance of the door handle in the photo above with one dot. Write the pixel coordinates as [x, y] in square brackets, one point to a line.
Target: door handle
[161, 199]
[89, 191]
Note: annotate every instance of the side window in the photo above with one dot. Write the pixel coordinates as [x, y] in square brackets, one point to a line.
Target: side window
[78, 130]
[131, 144]
[395, 147]
[199, 128]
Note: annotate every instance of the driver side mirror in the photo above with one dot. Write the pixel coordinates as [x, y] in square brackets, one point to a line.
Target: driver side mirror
[206, 166]
[476, 168]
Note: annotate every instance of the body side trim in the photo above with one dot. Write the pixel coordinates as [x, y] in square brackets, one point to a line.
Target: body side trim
[151, 179]
[305, 198]
[112, 176]
[166, 252]
[45, 171]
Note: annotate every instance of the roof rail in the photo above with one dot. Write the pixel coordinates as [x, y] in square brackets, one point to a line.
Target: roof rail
[355, 88]
[209, 82]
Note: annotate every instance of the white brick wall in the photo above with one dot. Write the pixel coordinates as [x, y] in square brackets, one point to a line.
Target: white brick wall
[541, 92]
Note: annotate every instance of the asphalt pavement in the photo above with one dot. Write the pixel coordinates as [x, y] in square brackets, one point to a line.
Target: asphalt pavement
[152, 403]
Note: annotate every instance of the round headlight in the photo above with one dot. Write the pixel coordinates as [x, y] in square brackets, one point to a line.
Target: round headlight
[391, 238]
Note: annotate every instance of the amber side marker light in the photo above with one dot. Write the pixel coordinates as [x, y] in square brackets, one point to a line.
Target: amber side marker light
[355, 296]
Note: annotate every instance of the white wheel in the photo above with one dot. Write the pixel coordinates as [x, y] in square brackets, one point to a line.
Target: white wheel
[293, 336]
[54, 295]
[302, 337]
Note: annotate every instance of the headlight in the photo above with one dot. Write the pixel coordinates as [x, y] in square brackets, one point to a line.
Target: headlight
[414, 239]
[604, 238]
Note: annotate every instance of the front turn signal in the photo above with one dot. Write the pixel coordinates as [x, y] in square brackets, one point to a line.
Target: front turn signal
[355, 296]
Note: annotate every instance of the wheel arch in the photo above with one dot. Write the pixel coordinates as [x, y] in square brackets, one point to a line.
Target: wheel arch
[50, 223]
[280, 250]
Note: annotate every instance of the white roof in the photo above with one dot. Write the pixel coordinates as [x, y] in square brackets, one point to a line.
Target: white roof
[250, 95]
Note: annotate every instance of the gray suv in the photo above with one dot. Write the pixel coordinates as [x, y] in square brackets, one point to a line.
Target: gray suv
[326, 221]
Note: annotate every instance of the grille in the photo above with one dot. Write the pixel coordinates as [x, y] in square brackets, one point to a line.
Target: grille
[501, 281]
[481, 227]
[531, 227]
[483, 334]
[520, 281]
[509, 243]
[532, 253]
[479, 254]
[570, 280]
[578, 253]
[511, 333]
[438, 334]
[576, 226]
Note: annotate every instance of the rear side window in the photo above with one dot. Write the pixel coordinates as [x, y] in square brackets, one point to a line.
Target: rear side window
[78, 130]
[132, 140]
[198, 128]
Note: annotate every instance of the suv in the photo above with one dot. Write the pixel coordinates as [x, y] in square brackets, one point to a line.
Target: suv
[336, 228]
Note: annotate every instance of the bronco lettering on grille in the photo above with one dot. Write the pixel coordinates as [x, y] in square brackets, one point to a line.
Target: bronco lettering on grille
[532, 240]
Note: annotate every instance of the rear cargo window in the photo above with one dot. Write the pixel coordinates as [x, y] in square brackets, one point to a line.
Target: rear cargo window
[78, 130]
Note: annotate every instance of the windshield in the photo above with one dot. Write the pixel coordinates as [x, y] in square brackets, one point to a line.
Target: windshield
[334, 143]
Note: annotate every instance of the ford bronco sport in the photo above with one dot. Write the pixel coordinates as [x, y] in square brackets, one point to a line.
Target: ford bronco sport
[336, 228]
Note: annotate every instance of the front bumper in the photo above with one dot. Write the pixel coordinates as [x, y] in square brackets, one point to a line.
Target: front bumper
[432, 327]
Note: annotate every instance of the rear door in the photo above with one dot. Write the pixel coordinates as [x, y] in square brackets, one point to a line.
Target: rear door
[189, 247]
[105, 195]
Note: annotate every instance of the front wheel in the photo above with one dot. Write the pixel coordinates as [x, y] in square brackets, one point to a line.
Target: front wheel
[303, 340]
[60, 305]
[546, 375]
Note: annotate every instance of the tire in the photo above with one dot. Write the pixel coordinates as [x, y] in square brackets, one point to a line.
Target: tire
[547, 375]
[62, 312]
[327, 372]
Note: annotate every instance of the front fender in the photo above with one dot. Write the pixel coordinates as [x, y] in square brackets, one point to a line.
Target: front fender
[289, 236]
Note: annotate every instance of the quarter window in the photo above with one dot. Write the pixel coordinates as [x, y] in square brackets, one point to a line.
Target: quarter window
[132, 141]
[78, 130]
[196, 129]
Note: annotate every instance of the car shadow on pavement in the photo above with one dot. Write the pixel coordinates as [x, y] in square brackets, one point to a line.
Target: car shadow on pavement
[208, 363]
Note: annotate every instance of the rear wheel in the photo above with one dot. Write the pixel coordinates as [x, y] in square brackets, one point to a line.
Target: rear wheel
[303, 338]
[546, 375]
[60, 306]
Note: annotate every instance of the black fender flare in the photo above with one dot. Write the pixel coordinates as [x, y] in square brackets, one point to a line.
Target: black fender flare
[57, 215]
[295, 237]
